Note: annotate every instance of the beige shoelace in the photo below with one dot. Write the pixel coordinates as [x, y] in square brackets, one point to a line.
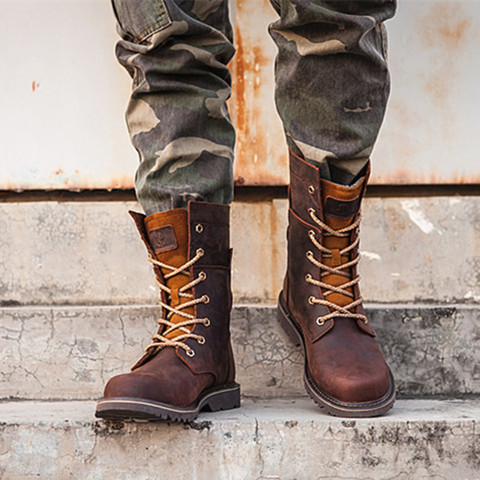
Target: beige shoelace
[337, 310]
[160, 340]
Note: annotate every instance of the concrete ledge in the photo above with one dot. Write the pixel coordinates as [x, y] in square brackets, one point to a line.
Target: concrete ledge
[70, 352]
[414, 250]
[283, 439]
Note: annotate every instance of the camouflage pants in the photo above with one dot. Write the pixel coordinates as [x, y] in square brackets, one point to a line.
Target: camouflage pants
[332, 86]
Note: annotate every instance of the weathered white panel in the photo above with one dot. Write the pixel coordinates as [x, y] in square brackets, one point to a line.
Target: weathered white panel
[431, 133]
[63, 96]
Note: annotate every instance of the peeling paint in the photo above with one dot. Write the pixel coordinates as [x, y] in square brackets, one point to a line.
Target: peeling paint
[471, 296]
[412, 208]
[370, 255]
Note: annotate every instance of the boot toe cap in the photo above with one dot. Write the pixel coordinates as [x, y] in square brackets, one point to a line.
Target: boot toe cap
[361, 389]
[148, 387]
[358, 387]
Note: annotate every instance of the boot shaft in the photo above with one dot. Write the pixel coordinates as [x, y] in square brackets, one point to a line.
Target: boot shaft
[199, 235]
[322, 236]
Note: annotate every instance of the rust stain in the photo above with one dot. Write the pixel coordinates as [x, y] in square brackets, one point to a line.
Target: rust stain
[239, 83]
[446, 26]
[119, 182]
[404, 176]
[239, 181]
[394, 218]
[252, 142]
[444, 31]
[247, 65]
[73, 181]
[122, 182]
[275, 255]
[260, 159]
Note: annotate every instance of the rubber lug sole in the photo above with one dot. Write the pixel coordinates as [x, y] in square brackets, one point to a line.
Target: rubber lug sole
[225, 397]
[331, 405]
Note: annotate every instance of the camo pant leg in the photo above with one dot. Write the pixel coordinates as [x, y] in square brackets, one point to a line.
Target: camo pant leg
[176, 52]
[332, 80]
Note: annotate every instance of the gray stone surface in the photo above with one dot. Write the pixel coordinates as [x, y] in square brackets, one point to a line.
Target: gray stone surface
[70, 352]
[415, 249]
[285, 439]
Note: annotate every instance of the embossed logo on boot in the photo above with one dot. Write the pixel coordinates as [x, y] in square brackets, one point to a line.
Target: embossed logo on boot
[341, 209]
[163, 239]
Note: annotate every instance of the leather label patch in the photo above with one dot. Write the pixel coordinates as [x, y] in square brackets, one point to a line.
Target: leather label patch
[163, 239]
[341, 209]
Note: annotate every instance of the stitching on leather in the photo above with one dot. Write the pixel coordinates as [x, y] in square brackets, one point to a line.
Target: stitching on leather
[164, 22]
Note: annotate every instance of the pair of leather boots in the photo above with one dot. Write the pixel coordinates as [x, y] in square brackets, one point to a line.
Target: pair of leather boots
[189, 365]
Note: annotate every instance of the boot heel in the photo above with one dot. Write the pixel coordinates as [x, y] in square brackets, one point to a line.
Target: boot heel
[225, 400]
[287, 326]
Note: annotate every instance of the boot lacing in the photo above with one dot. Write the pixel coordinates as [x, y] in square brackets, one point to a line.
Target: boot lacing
[159, 339]
[337, 310]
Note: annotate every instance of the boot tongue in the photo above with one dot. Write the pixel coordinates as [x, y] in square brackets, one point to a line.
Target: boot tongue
[340, 205]
[168, 236]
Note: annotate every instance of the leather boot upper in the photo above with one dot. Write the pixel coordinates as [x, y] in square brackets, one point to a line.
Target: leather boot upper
[321, 287]
[191, 350]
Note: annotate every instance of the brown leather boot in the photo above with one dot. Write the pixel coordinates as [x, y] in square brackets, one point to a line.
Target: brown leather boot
[189, 365]
[320, 305]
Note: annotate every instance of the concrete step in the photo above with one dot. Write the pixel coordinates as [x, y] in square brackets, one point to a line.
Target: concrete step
[80, 253]
[70, 352]
[282, 439]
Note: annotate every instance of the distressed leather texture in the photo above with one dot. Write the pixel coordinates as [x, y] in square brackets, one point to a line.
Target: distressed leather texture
[343, 357]
[169, 375]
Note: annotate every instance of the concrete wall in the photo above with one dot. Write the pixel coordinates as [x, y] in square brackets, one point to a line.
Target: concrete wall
[414, 250]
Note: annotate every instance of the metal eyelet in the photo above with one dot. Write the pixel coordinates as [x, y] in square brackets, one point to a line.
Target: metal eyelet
[201, 340]
[311, 189]
[199, 228]
[311, 300]
[308, 277]
[207, 322]
[200, 252]
[320, 321]
[206, 299]
[309, 254]
[191, 353]
[202, 276]
[311, 233]
[311, 211]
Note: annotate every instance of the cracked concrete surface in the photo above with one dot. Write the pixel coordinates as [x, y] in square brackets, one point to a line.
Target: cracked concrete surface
[285, 439]
[70, 352]
[89, 253]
